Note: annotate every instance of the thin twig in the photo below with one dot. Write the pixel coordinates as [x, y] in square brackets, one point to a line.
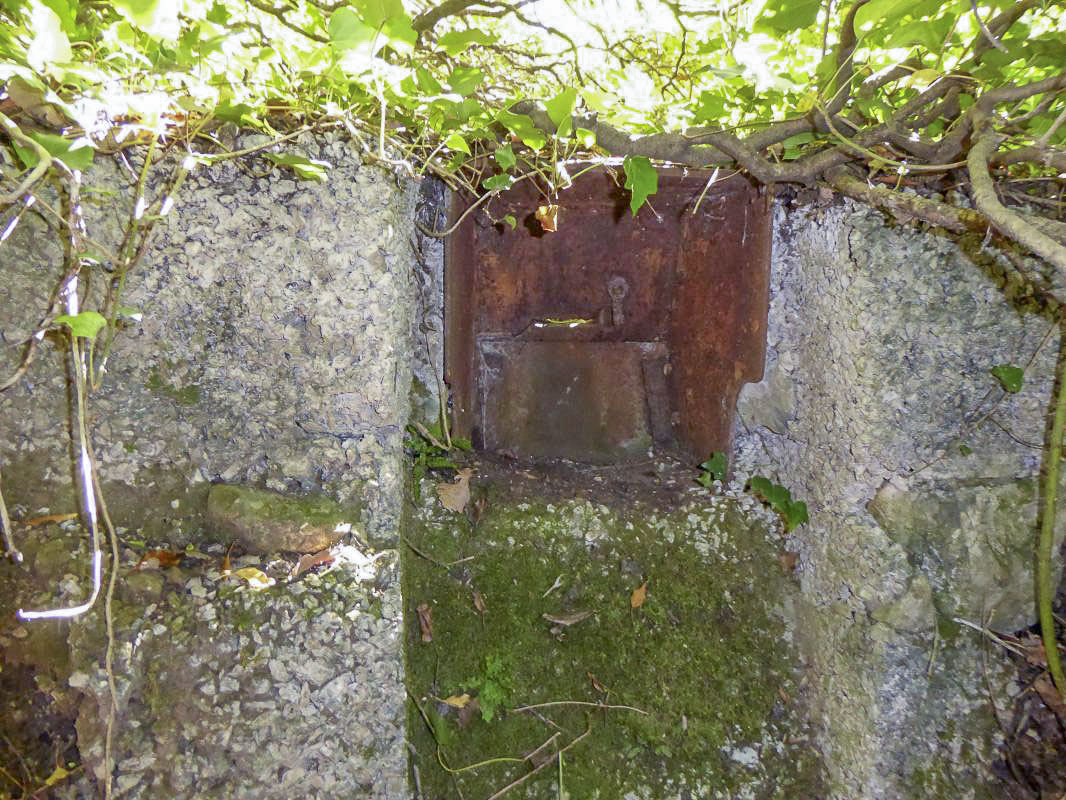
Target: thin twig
[431, 559]
[578, 703]
[992, 40]
[535, 770]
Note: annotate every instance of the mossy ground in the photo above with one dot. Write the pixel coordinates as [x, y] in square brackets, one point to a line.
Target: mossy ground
[708, 655]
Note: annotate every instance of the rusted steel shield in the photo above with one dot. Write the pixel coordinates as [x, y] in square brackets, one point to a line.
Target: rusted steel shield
[612, 333]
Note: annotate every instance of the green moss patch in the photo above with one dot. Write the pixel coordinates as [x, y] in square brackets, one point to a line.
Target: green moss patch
[707, 655]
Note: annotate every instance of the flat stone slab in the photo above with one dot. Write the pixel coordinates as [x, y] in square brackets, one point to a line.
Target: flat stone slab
[268, 522]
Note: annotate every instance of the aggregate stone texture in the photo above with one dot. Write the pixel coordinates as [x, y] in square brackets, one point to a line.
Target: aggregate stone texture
[275, 350]
[224, 689]
[879, 410]
[275, 346]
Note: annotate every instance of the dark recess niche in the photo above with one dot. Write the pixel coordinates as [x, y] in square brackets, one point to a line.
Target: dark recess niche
[673, 307]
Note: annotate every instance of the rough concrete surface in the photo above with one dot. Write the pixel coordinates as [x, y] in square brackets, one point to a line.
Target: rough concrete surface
[878, 393]
[275, 346]
[274, 351]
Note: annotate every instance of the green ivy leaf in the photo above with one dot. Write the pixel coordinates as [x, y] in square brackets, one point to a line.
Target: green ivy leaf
[505, 157]
[498, 182]
[455, 42]
[711, 107]
[1009, 376]
[237, 113]
[87, 324]
[561, 110]
[305, 168]
[522, 127]
[782, 16]
[352, 40]
[388, 17]
[67, 12]
[464, 80]
[642, 181]
[795, 514]
[510, 220]
[714, 467]
[585, 137]
[882, 12]
[458, 143]
[77, 154]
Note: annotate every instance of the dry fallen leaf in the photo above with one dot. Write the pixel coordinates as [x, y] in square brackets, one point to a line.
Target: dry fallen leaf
[568, 619]
[457, 701]
[788, 561]
[1035, 653]
[455, 496]
[311, 560]
[640, 594]
[227, 567]
[548, 217]
[425, 621]
[479, 602]
[255, 577]
[48, 518]
[1050, 695]
[599, 687]
[159, 559]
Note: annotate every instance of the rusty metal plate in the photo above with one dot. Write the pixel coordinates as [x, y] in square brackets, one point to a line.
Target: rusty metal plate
[585, 401]
[689, 275]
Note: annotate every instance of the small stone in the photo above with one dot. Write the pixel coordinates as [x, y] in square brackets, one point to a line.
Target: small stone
[126, 782]
[78, 680]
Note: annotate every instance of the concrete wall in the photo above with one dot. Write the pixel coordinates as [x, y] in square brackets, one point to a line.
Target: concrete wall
[879, 410]
[275, 351]
[275, 346]
[285, 324]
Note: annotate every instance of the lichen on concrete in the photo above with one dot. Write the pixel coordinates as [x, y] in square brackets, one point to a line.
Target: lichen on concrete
[708, 656]
[879, 410]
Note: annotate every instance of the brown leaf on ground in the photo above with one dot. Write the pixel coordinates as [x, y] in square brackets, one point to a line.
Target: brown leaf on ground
[227, 566]
[159, 559]
[1044, 687]
[788, 561]
[599, 687]
[640, 594]
[425, 621]
[47, 519]
[455, 496]
[479, 602]
[568, 619]
[1035, 653]
[312, 560]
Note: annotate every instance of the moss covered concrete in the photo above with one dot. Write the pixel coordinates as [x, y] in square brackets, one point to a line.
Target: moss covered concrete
[709, 655]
